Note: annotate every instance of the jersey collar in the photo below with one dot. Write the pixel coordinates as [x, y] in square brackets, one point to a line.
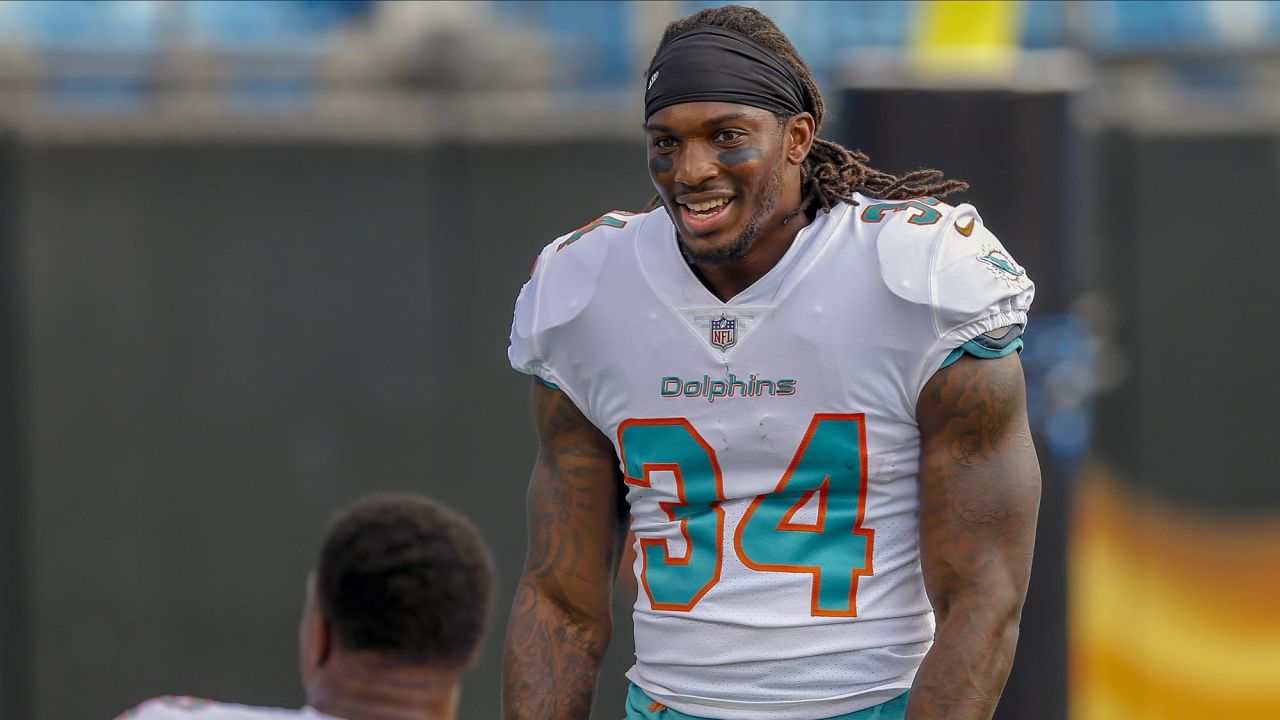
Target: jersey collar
[671, 277]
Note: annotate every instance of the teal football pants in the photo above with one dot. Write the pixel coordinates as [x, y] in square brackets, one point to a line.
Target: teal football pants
[642, 707]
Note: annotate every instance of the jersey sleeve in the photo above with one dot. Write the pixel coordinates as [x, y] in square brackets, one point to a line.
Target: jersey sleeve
[559, 288]
[961, 270]
[523, 351]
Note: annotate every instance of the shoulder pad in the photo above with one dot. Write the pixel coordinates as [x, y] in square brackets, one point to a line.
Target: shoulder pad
[974, 277]
[909, 233]
[954, 264]
[563, 281]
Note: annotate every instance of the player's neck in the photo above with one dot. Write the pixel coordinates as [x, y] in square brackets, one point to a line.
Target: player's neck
[364, 686]
[726, 280]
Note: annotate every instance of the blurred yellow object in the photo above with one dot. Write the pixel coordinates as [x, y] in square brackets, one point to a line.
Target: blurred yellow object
[1173, 614]
[962, 37]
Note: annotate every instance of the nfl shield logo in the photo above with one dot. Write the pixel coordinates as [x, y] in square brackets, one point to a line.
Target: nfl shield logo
[724, 332]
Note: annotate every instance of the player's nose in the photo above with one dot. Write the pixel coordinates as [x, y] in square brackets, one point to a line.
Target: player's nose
[695, 165]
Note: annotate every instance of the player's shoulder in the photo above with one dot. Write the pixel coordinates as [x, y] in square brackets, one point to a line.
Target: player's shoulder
[597, 234]
[932, 252]
[565, 276]
[572, 262]
[907, 235]
[185, 707]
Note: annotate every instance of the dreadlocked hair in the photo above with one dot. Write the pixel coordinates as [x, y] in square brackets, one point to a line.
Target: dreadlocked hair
[831, 173]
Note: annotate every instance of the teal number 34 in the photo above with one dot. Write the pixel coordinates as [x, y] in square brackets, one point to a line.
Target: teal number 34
[834, 548]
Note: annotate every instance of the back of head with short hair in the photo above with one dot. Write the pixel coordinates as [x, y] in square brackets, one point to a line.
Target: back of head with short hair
[404, 576]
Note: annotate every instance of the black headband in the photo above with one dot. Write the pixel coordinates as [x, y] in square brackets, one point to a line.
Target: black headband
[719, 65]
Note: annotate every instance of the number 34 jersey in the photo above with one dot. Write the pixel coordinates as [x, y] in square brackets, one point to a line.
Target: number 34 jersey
[769, 444]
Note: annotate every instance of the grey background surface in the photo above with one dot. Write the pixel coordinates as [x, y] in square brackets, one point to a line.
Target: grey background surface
[222, 345]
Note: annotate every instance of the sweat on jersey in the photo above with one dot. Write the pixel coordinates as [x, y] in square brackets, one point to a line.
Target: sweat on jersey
[769, 443]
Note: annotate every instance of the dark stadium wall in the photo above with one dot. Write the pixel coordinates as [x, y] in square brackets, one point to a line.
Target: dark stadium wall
[1177, 520]
[1186, 248]
[228, 341]
[1020, 157]
[14, 640]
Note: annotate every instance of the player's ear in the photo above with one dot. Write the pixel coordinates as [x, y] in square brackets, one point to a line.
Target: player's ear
[324, 640]
[314, 637]
[800, 130]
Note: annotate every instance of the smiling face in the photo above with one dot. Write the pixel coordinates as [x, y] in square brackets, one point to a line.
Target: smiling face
[728, 175]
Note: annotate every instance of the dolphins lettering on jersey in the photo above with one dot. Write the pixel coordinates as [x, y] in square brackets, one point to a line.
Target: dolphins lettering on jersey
[674, 387]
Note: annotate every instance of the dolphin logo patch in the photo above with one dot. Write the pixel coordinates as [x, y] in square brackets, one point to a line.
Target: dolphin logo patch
[1003, 263]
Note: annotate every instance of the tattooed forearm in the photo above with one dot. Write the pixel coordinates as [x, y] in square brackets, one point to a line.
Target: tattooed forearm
[551, 661]
[979, 497]
[560, 624]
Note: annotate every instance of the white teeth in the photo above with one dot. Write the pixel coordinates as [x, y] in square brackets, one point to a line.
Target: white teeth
[705, 206]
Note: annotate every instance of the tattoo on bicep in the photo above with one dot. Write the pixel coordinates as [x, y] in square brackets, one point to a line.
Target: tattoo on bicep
[574, 491]
[973, 406]
[563, 428]
[974, 417]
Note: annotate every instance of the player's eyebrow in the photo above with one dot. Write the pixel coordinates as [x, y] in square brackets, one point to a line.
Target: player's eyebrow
[724, 119]
[712, 122]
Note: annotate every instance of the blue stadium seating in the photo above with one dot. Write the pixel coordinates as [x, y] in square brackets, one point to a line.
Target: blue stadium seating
[592, 42]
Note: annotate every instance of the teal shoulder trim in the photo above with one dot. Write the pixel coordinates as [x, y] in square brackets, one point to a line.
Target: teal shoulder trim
[551, 385]
[951, 357]
[979, 350]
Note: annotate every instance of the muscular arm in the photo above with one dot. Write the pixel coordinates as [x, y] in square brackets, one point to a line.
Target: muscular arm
[560, 621]
[979, 496]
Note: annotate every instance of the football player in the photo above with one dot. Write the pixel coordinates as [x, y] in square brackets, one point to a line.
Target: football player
[393, 618]
[797, 376]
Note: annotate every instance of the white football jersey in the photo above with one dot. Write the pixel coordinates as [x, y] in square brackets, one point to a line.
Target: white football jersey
[769, 443]
[181, 707]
